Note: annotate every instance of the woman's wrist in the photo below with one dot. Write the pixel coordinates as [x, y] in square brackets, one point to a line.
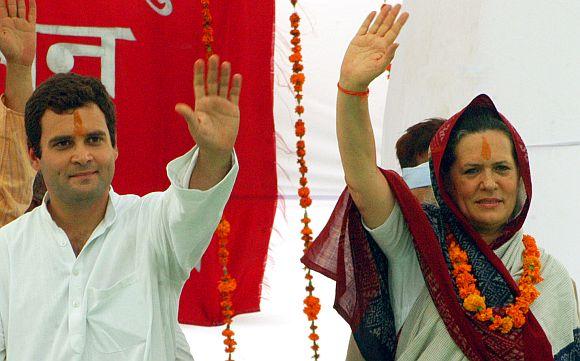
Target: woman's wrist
[360, 94]
[350, 85]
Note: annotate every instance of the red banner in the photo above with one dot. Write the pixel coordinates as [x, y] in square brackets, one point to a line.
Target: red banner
[143, 51]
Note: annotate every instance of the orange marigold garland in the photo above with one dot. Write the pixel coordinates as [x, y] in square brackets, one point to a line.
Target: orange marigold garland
[506, 318]
[311, 303]
[227, 283]
[207, 32]
[226, 287]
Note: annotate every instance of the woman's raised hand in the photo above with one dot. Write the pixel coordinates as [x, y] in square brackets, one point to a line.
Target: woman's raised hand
[372, 49]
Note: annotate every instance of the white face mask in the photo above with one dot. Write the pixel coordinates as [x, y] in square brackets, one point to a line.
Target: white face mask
[417, 177]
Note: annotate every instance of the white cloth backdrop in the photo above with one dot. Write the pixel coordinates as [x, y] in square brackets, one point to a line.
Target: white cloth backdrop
[525, 56]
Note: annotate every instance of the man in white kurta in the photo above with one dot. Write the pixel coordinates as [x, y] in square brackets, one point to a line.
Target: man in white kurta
[118, 299]
[93, 275]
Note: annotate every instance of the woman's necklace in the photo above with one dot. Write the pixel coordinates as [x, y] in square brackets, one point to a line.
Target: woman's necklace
[506, 318]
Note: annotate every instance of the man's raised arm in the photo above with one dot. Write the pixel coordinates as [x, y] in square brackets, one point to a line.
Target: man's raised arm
[214, 123]
[18, 45]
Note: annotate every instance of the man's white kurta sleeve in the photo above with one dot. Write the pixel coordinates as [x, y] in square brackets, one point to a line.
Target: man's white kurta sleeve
[190, 215]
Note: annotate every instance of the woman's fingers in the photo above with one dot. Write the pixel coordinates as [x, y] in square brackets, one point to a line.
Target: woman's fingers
[394, 31]
[385, 9]
[365, 25]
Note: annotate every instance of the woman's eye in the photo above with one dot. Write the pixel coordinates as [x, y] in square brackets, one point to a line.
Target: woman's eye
[502, 168]
[471, 171]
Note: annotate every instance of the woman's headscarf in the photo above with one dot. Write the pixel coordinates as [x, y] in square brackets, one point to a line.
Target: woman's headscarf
[346, 253]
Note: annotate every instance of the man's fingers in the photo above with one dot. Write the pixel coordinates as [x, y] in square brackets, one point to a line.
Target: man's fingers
[199, 79]
[365, 25]
[396, 28]
[12, 10]
[236, 89]
[212, 75]
[3, 9]
[32, 11]
[385, 10]
[225, 79]
[21, 9]
[186, 112]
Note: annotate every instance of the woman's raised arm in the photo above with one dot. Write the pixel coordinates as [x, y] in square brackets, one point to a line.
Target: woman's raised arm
[367, 57]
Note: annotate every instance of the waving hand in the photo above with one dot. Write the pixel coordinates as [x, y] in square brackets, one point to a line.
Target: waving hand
[372, 48]
[18, 31]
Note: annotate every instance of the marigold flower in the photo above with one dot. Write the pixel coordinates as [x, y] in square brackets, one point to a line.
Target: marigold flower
[228, 333]
[227, 285]
[314, 337]
[305, 202]
[303, 182]
[300, 128]
[484, 315]
[294, 17]
[295, 32]
[497, 322]
[506, 325]
[306, 230]
[295, 40]
[304, 192]
[474, 303]
[297, 78]
[297, 67]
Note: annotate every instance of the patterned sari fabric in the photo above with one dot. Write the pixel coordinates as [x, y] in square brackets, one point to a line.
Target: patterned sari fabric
[347, 254]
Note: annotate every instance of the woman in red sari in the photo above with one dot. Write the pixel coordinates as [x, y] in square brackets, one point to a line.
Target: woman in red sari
[456, 281]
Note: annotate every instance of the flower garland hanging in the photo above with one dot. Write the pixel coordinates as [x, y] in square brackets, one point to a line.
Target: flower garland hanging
[227, 283]
[311, 303]
[226, 286]
[508, 317]
[207, 32]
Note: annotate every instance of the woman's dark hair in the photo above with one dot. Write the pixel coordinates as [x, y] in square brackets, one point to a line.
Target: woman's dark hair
[63, 93]
[473, 120]
[415, 142]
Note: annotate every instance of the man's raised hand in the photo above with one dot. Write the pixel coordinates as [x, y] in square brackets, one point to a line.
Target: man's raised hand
[214, 122]
[18, 31]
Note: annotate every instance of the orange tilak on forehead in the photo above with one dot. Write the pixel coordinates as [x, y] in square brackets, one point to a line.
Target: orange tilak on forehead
[485, 149]
[79, 129]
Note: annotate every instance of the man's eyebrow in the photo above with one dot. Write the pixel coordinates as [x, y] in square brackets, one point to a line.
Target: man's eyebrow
[58, 139]
[96, 133]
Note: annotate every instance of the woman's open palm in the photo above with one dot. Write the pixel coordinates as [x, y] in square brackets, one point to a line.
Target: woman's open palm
[372, 48]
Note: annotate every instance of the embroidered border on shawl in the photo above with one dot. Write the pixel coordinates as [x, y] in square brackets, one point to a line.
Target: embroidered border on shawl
[376, 335]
